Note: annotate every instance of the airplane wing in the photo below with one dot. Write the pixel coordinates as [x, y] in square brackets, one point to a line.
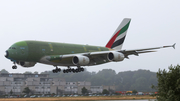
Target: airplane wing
[145, 50]
[126, 53]
[95, 58]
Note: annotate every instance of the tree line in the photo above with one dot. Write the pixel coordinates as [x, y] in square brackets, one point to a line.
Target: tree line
[140, 80]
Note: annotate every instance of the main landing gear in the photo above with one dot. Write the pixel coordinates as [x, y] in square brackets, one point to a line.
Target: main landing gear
[14, 66]
[78, 69]
[56, 70]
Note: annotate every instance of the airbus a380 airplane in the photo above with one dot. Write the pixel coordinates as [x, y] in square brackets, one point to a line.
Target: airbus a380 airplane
[28, 53]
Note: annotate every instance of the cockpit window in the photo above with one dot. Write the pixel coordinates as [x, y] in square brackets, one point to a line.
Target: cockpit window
[12, 48]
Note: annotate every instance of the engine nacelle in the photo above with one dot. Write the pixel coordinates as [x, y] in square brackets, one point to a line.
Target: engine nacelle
[115, 56]
[80, 60]
[27, 64]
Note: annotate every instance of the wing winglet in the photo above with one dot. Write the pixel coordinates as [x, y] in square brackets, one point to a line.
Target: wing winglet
[174, 45]
[170, 46]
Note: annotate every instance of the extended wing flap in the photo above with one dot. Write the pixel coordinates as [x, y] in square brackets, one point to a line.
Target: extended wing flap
[98, 57]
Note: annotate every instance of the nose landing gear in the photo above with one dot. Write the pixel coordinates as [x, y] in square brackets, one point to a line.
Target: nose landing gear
[14, 66]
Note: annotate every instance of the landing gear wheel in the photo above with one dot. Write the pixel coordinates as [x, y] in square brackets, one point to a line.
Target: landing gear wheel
[73, 70]
[56, 70]
[82, 69]
[59, 69]
[65, 71]
[14, 67]
[78, 69]
[69, 70]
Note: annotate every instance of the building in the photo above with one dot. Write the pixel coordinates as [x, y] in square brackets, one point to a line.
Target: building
[17, 82]
[43, 84]
[96, 89]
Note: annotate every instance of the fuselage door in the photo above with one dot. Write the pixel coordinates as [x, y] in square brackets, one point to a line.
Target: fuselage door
[22, 50]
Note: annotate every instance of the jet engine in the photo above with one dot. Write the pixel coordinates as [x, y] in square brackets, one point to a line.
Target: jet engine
[115, 56]
[80, 60]
[27, 64]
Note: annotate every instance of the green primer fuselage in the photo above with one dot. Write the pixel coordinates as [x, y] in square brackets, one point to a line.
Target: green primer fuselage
[33, 51]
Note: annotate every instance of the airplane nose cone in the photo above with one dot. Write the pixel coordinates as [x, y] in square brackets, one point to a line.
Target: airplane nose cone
[6, 54]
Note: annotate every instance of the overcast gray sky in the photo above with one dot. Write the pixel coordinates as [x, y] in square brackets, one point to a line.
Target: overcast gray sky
[153, 23]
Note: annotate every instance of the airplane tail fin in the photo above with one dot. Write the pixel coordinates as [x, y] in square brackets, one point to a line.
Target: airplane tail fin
[119, 35]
